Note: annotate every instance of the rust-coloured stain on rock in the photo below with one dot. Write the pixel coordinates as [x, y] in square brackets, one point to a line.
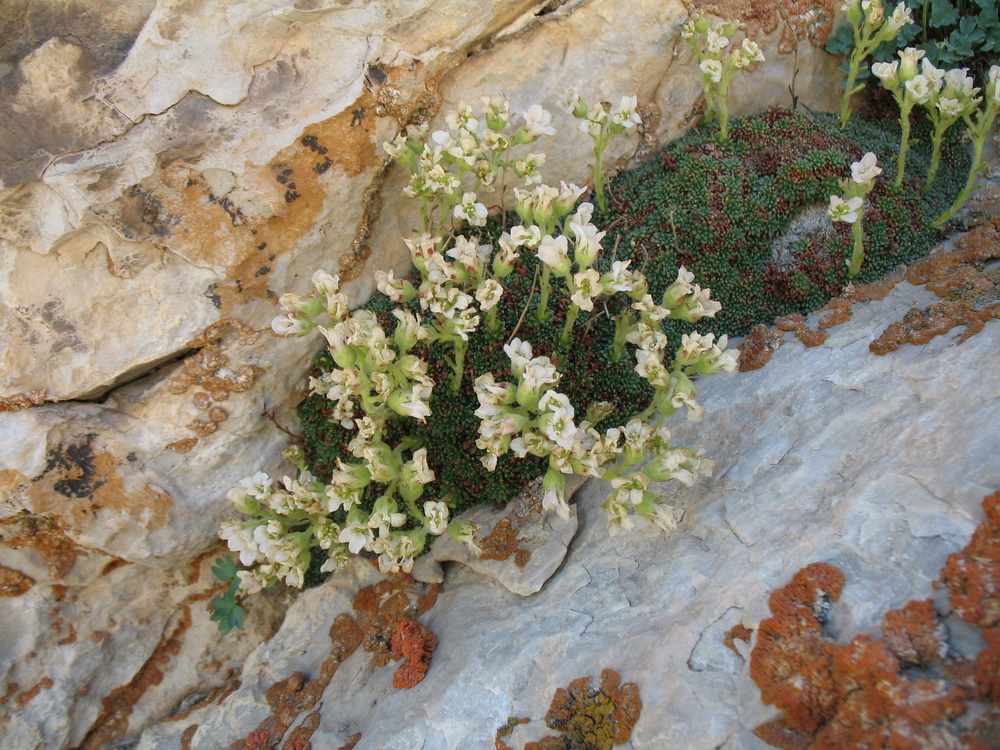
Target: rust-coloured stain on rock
[43, 535]
[798, 19]
[382, 625]
[209, 229]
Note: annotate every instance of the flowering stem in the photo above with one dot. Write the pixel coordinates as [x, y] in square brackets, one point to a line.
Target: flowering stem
[970, 184]
[574, 310]
[492, 325]
[461, 345]
[723, 110]
[541, 312]
[904, 144]
[936, 139]
[622, 326]
[858, 256]
[602, 203]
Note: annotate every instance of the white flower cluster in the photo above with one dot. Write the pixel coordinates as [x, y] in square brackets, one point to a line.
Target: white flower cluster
[718, 60]
[601, 123]
[532, 417]
[850, 207]
[470, 156]
[380, 377]
[946, 95]
[871, 28]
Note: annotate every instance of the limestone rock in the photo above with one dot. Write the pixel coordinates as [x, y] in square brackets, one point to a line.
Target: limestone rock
[522, 545]
[826, 454]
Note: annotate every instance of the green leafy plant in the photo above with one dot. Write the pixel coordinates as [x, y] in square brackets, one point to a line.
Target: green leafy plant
[959, 33]
[594, 344]
[226, 610]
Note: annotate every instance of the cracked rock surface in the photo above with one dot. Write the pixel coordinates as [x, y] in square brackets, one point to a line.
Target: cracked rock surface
[167, 169]
[874, 464]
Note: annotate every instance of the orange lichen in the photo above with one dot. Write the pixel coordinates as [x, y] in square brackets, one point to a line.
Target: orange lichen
[183, 446]
[969, 293]
[505, 730]
[210, 368]
[798, 19]
[377, 609]
[25, 697]
[14, 582]
[757, 348]
[502, 542]
[834, 318]
[866, 694]
[43, 535]
[427, 600]
[415, 644]
[915, 634]
[973, 575]
[112, 723]
[18, 401]
[737, 633]
[598, 719]
[298, 739]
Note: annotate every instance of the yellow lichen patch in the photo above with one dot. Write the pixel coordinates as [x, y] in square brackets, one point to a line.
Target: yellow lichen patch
[82, 479]
[585, 717]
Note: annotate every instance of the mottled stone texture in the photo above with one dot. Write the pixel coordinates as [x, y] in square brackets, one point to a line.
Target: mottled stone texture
[829, 455]
[167, 168]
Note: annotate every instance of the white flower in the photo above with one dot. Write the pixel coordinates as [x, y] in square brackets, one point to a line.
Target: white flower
[625, 115]
[554, 252]
[291, 324]
[920, 88]
[258, 486]
[356, 536]
[471, 211]
[715, 42]
[437, 517]
[899, 18]
[489, 294]
[554, 485]
[846, 211]
[933, 74]
[908, 59]
[519, 353]
[865, 171]
[326, 283]
[712, 70]
[950, 108]
[593, 123]
[587, 285]
[619, 278]
[887, 73]
[666, 517]
[537, 121]
[752, 51]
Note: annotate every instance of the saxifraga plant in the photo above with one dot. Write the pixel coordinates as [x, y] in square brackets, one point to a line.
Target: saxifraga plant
[436, 362]
[439, 355]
